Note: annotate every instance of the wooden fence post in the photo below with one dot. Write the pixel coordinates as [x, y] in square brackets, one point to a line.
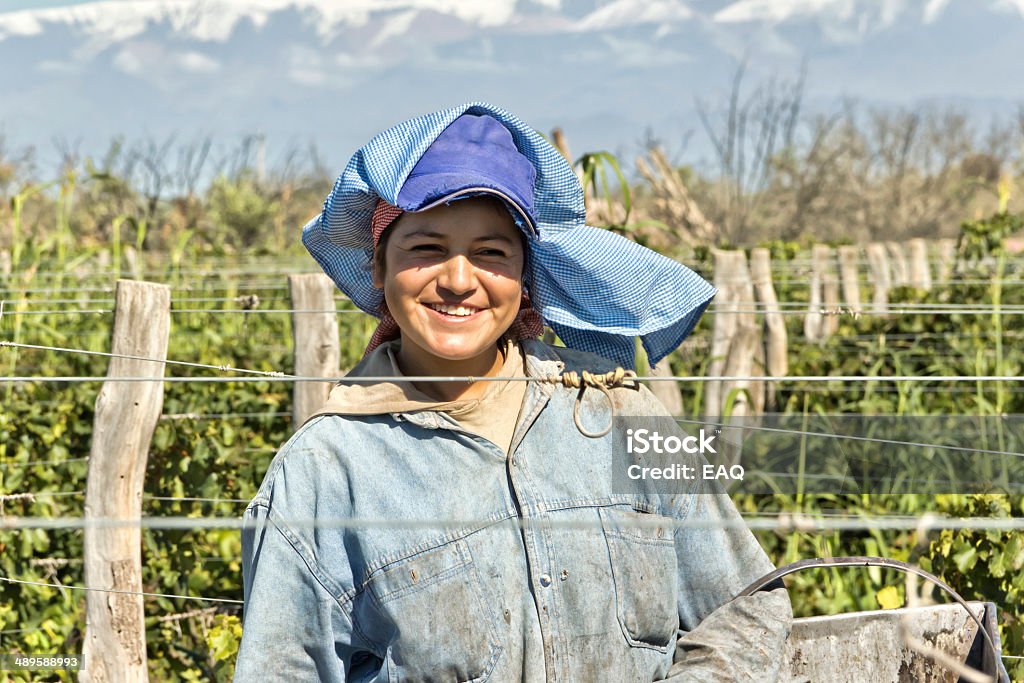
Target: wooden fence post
[317, 347]
[878, 262]
[830, 291]
[740, 364]
[748, 318]
[126, 415]
[740, 397]
[849, 274]
[724, 325]
[919, 274]
[947, 259]
[813, 322]
[776, 346]
[898, 264]
[666, 392]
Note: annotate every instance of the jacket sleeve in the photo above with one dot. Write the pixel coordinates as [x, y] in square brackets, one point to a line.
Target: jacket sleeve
[293, 628]
[723, 637]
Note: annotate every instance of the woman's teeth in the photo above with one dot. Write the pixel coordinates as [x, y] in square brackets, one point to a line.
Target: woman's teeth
[454, 310]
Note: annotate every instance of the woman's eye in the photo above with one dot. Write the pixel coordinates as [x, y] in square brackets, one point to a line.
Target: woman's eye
[492, 252]
[425, 248]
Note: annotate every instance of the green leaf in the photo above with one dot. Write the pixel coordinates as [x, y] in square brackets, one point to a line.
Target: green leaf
[966, 559]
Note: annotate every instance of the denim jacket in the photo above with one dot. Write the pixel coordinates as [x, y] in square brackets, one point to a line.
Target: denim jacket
[538, 571]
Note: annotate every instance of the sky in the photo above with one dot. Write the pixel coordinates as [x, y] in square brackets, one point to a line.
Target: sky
[609, 72]
[15, 5]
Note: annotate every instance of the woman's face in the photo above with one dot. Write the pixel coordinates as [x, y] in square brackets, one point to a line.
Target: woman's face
[452, 279]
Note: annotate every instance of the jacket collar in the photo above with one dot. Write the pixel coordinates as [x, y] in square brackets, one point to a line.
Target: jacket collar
[541, 361]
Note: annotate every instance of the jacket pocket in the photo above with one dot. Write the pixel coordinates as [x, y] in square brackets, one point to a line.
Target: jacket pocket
[644, 569]
[437, 623]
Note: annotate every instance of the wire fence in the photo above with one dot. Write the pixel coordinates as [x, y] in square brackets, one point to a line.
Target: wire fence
[751, 308]
[257, 294]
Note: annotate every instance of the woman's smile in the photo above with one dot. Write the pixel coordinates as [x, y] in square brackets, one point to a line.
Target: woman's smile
[454, 312]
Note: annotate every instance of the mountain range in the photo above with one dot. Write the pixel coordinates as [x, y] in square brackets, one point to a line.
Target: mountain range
[333, 72]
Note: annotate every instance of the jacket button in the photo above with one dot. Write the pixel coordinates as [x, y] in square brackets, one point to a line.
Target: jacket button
[545, 580]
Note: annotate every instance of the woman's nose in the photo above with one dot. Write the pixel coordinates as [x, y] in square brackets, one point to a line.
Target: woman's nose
[457, 275]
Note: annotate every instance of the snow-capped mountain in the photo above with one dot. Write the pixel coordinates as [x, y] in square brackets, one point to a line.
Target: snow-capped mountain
[335, 71]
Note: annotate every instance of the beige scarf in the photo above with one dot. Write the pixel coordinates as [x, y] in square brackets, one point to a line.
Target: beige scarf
[493, 416]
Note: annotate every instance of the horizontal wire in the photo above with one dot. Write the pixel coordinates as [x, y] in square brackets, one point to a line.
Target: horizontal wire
[206, 286]
[468, 379]
[869, 307]
[783, 522]
[271, 278]
[845, 437]
[174, 311]
[33, 463]
[267, 264]
[30, 495]
[151, 271]
[844, 310]
[280, 376]
[840, 477]
[18, 295]
[85, 352]
[244, 297]
[747, 305]
[120, 592]
[198, 500]
[218, 416]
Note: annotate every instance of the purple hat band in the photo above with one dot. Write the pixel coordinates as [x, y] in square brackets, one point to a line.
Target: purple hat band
[473, 155]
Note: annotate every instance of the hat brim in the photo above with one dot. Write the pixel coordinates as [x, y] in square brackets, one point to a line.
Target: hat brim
[421, 186]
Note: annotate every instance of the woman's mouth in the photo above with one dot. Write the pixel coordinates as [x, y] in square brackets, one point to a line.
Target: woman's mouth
[454, 311]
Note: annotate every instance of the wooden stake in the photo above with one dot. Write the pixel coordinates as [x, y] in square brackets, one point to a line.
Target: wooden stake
[668, 393]
[739, 401]
[561, 144]
[317, 347]
[898, 261]
[724, 325]
[777, 354]
[741, 364]
[920, 276]
[878, 262]
[947, 259]
[126, 415]
[829, 291]
[849, 275]
[744, 295]
[813, 321]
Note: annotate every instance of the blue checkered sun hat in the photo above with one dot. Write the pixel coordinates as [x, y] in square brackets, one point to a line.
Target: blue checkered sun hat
[595, 289]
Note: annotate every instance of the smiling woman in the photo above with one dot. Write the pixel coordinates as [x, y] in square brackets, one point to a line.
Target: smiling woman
[497, 545]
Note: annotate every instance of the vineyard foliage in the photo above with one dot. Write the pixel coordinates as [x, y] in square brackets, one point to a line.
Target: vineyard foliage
[216, 440]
